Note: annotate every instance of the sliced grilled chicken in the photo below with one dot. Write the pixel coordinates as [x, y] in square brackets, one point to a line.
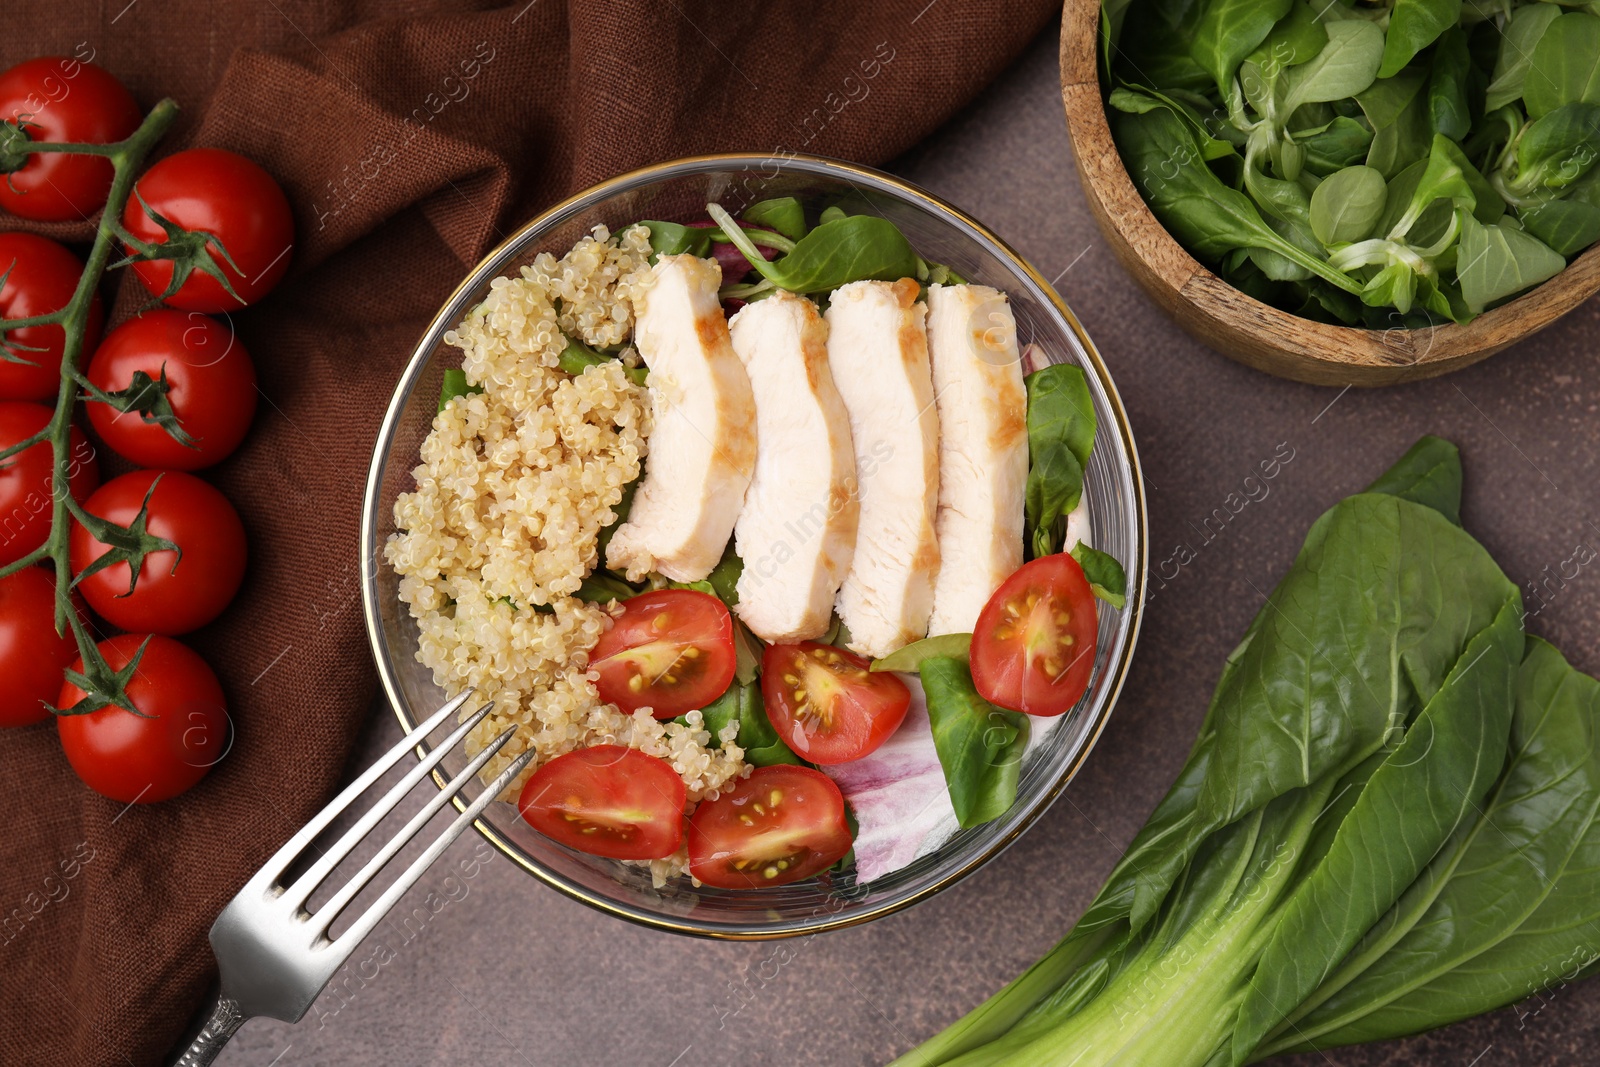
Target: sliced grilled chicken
[797, 531]
[703, 439]
[878, 350]
[983, 449]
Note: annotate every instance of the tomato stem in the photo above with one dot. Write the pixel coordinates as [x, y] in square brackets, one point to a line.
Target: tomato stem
[126, 158]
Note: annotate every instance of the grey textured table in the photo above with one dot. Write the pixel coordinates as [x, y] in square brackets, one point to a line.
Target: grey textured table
[482, 964]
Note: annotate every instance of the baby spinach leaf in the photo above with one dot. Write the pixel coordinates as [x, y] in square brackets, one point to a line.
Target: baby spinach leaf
[1428, 474]
[837, 252]
[1061, 428]
[980, 746]
[910, 658]
[1230, 30]
[454, 385]
[1347, 205]
[1499, 260]
[1565, 65]
[1342, 142]
[1154, 45]
[1448, 175]
[742, 704]
[1413, 26]
[1567, 226]
[1106, 577]
[1555, 150]
[1297, 37]
[1511, 905]
[783, 214]
[1520, 36]
[675, 239]
[1346, 66]
[1397, 110]
[1141, 100]
[1448, 111]
[724, 577]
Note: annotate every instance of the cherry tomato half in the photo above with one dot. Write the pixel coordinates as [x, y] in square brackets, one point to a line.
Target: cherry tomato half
[211, 387]
[125, 757]
[32, 654]
[1034, 642]
[826, 705]
[781, 824]
[608, 801]
[222, 194]
[42, 278]
[174, 594]
[58, 98]
[670, 650]
[26, 500]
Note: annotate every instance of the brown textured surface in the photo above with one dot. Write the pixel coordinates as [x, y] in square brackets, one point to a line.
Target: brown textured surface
[480, 964]
[408, 134]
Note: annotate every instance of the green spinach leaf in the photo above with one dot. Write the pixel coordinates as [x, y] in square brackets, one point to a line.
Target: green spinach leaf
[1413, 26]
[1448, 110]
[1106, 576]
[1565, 65]
[910, 658]
[1520, 36]
[849, 249]
[1567, 226]
[1553, 151]
[980, 746]
[1346, 66]
[1347, 205]
[674, 238]
[783, 214]
[1499, 260]
[1428, 474]
[1230, 30]
[1397, 110]
[742, 704]
[1061, 428]
[1343, 142]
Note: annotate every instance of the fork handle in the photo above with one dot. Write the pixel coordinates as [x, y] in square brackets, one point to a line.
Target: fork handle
[219, 1028]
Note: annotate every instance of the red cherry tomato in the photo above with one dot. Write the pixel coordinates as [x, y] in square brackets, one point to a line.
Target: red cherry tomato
[222, 194]
[1034, 643]
[174, 594]
[186, 732]
[43, 276]
[32, 654]
[607, 801]
[670, 650]
[25, 478]
[826, 705]
[57, 98]
[781, 824]
[211, 386]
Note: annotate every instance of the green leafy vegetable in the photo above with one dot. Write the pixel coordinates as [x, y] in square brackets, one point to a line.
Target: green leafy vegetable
[602, 587]
[837, 252]
[1061, 429]
[1413, 25]
[980, 746]
[578, 357]
[741, 703]
[1106, 576]
[1347, 205]
[783, 214]
[1520, 36]
[1347, 65]
[911, 657]
[1448, 109]
[1499, 260]
[1565, 65]
[1229, 31]
[454, 385]
[675, 239]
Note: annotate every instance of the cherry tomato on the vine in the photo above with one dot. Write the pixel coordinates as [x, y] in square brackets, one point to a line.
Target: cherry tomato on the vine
[26, 499]
[60, 98]
[32, 654]
[40, 278]
[181, 732]
[211, 388]
[218, 196]
[174, 594]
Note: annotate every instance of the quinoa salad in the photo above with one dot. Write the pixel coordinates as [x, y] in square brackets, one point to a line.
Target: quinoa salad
[698, 527]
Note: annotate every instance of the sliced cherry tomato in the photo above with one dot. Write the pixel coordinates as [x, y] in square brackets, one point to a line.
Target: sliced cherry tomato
[26, 499]
[211, 387]
[32, 654]
[184, 733]
[825, 703]
[1034, 643]
[58, 98]
[218, 196]
[40, 278]
[670, 650]
[781, 824]
[608, 801]
[174, 594]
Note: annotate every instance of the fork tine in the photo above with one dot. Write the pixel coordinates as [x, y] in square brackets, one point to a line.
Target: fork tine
[294, 896]
[374, 914]
[273, 869]
[326, 914]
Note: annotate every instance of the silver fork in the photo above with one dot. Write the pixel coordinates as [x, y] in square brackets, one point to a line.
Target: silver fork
[274, 954]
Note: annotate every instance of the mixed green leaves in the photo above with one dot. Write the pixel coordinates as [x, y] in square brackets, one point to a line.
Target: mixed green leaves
[980, 746]
[1388, 822]
[1328, 158]
[1061, 429]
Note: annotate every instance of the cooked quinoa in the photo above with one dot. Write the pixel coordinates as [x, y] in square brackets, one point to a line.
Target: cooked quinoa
[515, 485]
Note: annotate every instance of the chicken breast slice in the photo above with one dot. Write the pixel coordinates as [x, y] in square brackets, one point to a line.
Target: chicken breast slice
[797, 531]
[983, 449]
[878, 350]
[702, 447]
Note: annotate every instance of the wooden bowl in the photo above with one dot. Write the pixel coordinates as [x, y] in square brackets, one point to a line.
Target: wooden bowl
[1242, 327]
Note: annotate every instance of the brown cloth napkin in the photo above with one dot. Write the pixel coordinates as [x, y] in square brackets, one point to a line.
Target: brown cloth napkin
[410, 136]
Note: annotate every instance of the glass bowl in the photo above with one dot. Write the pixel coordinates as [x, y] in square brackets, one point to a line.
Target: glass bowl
[1113, 487]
